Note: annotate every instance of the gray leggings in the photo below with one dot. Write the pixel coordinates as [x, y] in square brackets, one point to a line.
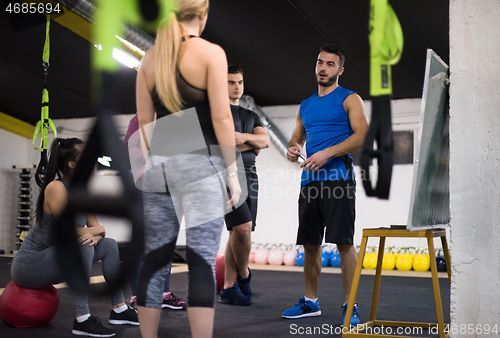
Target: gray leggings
[201, 202]
[40, 269]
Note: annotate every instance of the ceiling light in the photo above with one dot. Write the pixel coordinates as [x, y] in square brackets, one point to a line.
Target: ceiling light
[125, 58]
[131, 45]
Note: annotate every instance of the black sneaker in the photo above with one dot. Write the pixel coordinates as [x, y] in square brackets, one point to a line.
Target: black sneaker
[244, 284]
[234, 296]
[127, 317]
[91, 327]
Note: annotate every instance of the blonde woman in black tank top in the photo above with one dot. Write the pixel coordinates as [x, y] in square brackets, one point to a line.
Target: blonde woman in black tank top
[184, 70]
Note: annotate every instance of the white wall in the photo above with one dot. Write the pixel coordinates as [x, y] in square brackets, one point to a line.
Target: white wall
[474, 162]
[13, 149]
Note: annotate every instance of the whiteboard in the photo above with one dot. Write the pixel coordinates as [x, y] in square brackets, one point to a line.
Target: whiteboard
[430, 195]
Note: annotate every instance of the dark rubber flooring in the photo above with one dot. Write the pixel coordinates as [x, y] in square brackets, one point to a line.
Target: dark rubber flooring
[401, 299]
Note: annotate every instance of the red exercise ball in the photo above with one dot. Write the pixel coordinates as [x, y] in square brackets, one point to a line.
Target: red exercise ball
[219, 271]
[22, 307]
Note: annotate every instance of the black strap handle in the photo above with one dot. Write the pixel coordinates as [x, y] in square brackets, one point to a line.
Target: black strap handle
[41, 169]
[103, 139]
[380, 131]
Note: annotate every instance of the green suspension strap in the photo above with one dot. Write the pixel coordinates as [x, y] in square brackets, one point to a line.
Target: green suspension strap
[110, 17]
[386, 47]
[42, 126]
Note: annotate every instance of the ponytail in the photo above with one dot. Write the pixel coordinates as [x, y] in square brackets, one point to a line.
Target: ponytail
[168, 42]
[61, 152]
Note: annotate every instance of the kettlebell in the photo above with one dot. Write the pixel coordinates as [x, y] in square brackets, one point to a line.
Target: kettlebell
[397, 252]
[299, 259]
[365, 258]
[275, 256]
[261, 254]
[427, 258]
[440, 261]
[404, 261]
[413, 252]
[421, 262]
[389, 262]
[370, 260]
[251, 257]
[289, 257]
[332, 248]
[325, 256]
[335, 258]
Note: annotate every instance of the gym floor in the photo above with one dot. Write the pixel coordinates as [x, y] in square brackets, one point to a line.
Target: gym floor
[404, 296]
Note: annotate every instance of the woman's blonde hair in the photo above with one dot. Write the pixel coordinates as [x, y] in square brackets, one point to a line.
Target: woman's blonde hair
[168, 42]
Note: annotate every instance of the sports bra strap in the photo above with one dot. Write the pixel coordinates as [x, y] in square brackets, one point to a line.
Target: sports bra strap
[184, 38]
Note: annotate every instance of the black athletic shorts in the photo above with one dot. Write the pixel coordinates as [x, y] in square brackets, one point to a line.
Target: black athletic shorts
[247, 211]
[329, 204]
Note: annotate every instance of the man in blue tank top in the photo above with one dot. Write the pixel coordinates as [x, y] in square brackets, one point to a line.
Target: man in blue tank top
[334, 123]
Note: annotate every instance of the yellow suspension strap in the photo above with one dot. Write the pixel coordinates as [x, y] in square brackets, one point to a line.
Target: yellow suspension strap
[42, 126]
[386, 47]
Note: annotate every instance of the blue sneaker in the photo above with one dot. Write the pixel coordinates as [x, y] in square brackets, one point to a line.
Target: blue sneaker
[234, 296]
[244, 284]
[304, 308]
[355, 314]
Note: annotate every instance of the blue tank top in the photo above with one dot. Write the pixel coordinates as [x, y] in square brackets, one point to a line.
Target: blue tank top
[326, 123]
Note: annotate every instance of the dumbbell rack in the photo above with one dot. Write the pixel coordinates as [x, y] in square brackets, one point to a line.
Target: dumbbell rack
[24, 204]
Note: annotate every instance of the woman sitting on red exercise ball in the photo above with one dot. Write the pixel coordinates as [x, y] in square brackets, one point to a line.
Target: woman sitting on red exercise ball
[35, 265]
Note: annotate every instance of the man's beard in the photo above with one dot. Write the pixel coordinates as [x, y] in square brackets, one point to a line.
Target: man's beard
[331, 80]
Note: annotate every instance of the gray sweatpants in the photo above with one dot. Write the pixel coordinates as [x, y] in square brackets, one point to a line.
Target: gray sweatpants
[41, 269]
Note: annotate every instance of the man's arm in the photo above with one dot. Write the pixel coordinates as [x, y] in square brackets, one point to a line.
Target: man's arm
[354, 107]
[258, 140]
[244, 147]
[297, 141]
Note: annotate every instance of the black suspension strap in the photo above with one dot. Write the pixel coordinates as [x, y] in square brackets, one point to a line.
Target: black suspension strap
[386, 47]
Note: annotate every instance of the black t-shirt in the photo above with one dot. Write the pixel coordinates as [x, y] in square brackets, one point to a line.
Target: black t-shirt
[244, 122]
